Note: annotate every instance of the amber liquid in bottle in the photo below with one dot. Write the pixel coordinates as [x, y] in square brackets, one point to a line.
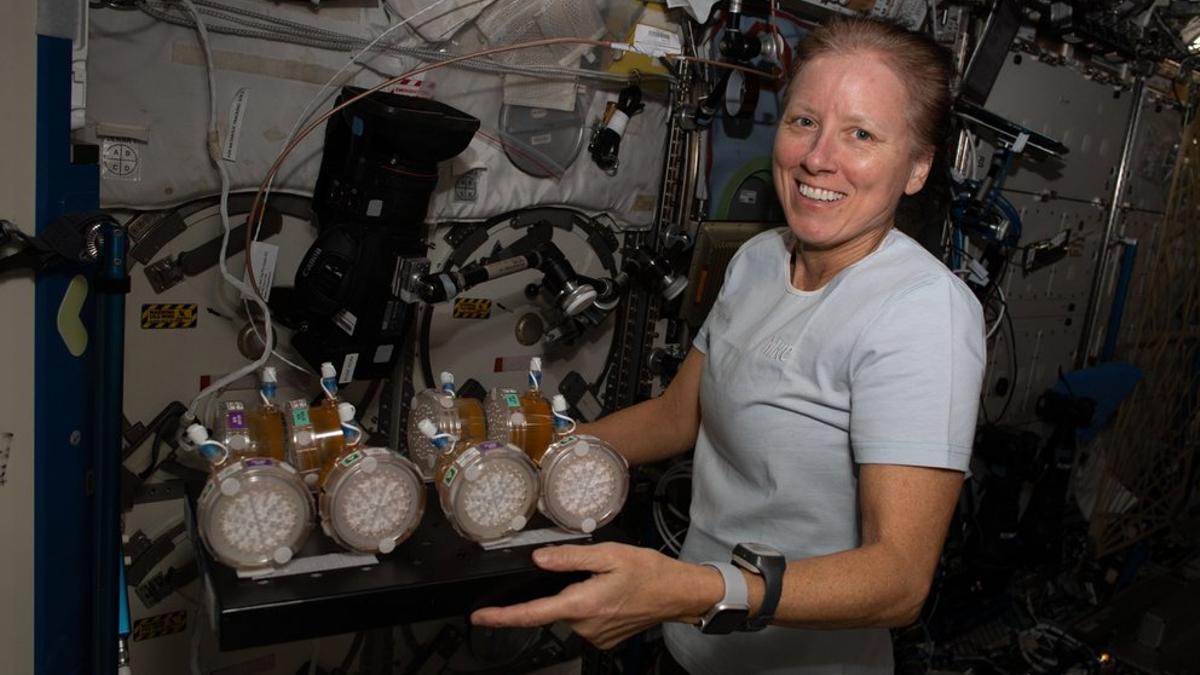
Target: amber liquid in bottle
[266, 428]
[327, 432]
[538, 432]
[472, 420]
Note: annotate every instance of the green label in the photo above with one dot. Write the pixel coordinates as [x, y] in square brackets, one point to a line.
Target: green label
[351, 458]
[300, 417]
[512, 400]
[449, 477]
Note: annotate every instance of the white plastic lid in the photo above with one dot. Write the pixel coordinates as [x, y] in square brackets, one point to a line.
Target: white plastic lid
[346, 411]
[535, 364]
[559, 403]
[446, 378]
[386, 546]
[230, 487]
[327, 370]
[269, 374]
[282, 555]
[428, 428]
[197, 434]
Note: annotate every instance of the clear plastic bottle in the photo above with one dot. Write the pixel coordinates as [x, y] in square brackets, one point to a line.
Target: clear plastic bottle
[458, 416]
[525, 420]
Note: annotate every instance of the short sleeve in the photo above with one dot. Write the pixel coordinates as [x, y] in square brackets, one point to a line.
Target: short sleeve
[718, 316]
[916, 373]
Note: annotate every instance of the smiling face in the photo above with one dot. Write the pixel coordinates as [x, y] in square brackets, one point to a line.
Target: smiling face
[845, 153]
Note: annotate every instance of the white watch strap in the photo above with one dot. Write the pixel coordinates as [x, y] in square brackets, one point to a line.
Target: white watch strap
[736, 592]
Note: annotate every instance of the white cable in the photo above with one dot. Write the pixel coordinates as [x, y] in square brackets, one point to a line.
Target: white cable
[1003, 309]
[671, 540]
[214, 152]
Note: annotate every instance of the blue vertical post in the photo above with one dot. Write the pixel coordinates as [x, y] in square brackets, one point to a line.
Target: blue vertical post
[65, 441]
[1120, 294]
[111, 286]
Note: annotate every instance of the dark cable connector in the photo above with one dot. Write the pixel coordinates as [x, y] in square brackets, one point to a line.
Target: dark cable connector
[606, 142]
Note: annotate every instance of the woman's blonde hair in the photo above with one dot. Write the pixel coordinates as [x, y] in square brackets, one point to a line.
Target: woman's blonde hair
[924, 66]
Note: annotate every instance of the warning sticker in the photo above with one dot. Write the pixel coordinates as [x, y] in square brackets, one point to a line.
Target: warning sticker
[160, 625]
[178, 315]
[472, 308]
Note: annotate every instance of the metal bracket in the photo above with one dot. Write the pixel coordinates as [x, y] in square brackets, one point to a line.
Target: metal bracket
[407, 276]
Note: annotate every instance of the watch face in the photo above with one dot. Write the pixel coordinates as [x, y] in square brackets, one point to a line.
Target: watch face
[760, 550]
[725, 621]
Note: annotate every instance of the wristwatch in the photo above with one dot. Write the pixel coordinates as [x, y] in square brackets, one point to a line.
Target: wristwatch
[769, 564]
[729, 614]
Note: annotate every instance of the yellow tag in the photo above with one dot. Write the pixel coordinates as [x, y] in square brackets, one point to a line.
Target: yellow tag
[472, 308]
[164, 316]
[159, 625]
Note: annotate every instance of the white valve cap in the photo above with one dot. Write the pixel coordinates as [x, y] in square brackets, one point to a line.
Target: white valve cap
[269, 374]
[327, 370]
[386, 546]
[197, 434]
[428, 428]
[282, 555]
[346, 411]
[446, 378]
[559, 403]
[535, 364]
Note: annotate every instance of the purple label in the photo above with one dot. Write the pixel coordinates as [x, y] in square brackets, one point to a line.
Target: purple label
[258, 461]
[236, 420]
[489, 445]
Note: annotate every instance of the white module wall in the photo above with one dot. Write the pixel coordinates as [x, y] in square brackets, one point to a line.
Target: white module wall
[1048, 305]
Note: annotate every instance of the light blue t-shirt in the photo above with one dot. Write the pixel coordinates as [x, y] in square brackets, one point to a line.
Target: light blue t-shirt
[882, 365]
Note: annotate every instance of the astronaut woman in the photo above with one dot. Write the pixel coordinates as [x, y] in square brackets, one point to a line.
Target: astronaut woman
[830, 397]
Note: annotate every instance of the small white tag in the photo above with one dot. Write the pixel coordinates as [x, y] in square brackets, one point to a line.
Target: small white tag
[546, 535]
[237, 112]
[655, 41]
[262, 260]
[310, 564]
[121, 159]
[346, 321]
[348, 366]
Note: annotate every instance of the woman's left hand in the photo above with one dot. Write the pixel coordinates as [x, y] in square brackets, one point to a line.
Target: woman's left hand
[631, 589]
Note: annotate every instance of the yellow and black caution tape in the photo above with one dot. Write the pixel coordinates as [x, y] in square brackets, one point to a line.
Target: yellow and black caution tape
[170, 315]
[472, 308]
[159, 625]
